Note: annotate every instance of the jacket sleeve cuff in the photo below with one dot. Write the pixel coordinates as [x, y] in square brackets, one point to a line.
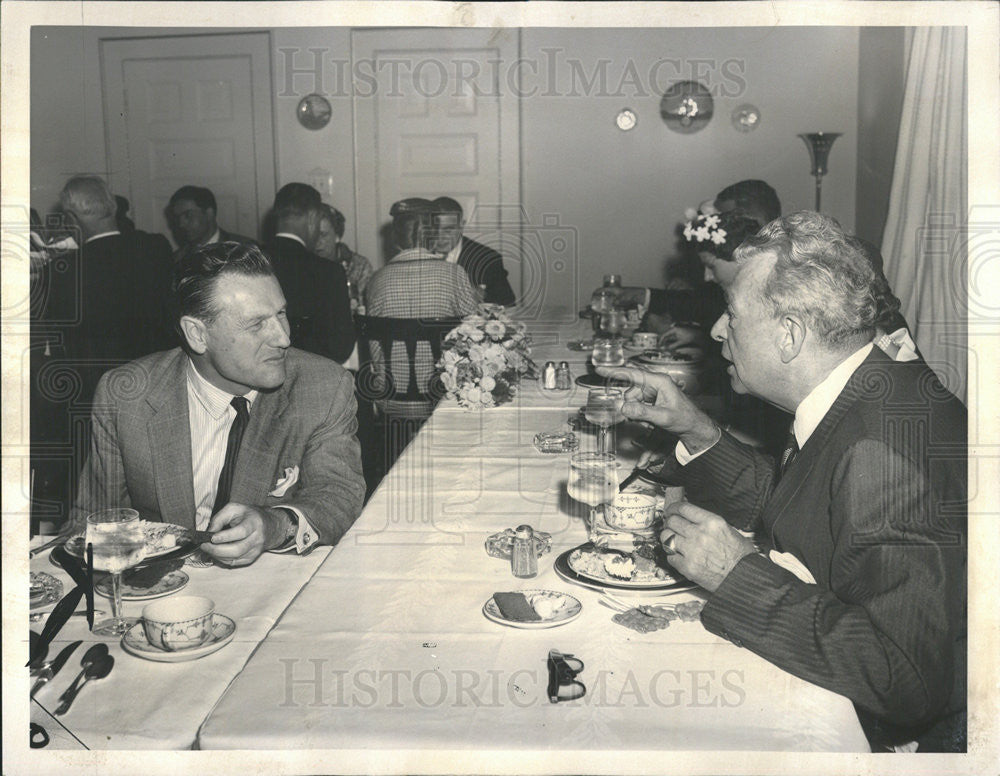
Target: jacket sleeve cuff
[305, 535]
[737, 610]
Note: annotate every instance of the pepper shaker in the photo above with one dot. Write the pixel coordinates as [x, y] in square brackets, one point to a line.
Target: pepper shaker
[523, 561]
[563, 379]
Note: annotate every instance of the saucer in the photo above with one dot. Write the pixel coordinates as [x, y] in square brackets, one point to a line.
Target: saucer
[135, 642]
[565, 608]
[169, 583]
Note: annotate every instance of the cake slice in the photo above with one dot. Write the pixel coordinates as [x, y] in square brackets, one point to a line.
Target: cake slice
[515, 607]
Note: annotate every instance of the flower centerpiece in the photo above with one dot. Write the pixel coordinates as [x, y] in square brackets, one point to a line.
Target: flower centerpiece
[484, 358]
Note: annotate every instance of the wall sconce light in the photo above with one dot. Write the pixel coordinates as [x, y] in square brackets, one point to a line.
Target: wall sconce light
[819, 144]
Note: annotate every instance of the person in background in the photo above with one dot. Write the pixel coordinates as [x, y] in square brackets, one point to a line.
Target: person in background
[330, 246]
[753, 198]
[97, 306]
[125, 224]
[234, 432]
[418, 283]
[859, 585]
[191, 214]
[319, 305]
[483, 264]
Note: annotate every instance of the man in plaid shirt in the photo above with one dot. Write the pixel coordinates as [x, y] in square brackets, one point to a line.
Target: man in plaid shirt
[417, 284]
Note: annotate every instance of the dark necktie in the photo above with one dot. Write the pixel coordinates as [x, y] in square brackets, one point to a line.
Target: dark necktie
[791, 448]
[241, 405]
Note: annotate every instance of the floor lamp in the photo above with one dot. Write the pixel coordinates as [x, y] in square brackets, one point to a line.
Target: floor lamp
[819, 144]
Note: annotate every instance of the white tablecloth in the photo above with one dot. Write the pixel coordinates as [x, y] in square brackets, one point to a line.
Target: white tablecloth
[147, 705]
[387, 647]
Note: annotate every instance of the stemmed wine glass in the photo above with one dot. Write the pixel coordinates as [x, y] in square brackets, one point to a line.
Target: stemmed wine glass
[604, 410]
[119, 543]
[593, 480]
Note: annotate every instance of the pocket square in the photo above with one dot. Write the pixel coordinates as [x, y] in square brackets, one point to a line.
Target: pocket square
[789, 562]
[284, 483]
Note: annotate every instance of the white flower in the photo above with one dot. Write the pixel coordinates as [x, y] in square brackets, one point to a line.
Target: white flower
[719, 236]
[711, 221]
[487, 383]
[688, 231]
[495, 330]
[701, 233]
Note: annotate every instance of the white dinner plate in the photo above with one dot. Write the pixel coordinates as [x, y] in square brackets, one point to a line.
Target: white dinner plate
[135, 642]
[564, 568]
[569, 609]
[169, 583]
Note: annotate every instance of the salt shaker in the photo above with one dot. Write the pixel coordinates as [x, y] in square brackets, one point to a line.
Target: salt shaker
[549, 379]
[563, 379]
[523, 561]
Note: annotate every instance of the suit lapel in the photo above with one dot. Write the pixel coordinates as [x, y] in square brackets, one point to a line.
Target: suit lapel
[259, 451]
[169, 432]
[801, 468]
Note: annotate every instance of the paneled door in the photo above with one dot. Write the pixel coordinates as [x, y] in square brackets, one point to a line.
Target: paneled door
[191, 110]
[434, 116]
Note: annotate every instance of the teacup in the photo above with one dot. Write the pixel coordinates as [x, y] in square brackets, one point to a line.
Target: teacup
[646, 340]
[178, 623]
[631, 511]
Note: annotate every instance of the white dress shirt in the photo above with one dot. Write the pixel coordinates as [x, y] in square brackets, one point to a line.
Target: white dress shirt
[291, 236]
[452, 256]
[211, 415]
[99, 236]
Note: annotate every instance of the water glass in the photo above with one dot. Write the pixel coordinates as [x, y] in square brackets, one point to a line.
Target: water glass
[603, 409]
[607, 352]
[119, 543]
[593, 479]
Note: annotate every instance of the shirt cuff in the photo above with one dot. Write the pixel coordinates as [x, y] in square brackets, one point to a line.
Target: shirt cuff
[305, 534]
[684, 456]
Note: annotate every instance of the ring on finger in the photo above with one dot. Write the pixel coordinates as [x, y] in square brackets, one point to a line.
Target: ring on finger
[668, 545]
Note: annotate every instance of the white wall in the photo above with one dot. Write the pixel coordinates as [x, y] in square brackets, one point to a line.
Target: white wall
[626, 191]
[623, 192]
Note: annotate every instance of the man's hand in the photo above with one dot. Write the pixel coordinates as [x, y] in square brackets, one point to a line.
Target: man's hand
[706, 548]
[656, 399]
[241, 533]
[685, 339]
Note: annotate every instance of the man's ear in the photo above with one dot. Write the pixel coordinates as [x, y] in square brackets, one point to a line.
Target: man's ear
[195, 333]
[792, 337]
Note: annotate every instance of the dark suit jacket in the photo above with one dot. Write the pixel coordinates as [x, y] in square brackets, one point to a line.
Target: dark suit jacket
[319, 307]
[140, 455]
[874, 505]
[485, 265]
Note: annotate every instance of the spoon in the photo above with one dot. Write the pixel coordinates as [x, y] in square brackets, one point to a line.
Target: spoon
[100, 668]
[89, 658]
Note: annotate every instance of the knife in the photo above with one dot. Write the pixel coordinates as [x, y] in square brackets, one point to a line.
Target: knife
[48, 674]
[60, 614]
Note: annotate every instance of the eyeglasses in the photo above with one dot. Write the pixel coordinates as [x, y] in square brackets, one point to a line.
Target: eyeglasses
[563, 684]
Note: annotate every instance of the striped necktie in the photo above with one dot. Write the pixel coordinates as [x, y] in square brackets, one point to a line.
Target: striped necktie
[791, 449]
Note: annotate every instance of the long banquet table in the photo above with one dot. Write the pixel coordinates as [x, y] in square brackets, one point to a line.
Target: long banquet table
[387, 647]
[381, 644]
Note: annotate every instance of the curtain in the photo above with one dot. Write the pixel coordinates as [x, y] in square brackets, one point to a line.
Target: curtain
[924, 243]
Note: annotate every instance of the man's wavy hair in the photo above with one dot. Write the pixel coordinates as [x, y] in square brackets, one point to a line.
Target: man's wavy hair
[192, 290]
[820, 275]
